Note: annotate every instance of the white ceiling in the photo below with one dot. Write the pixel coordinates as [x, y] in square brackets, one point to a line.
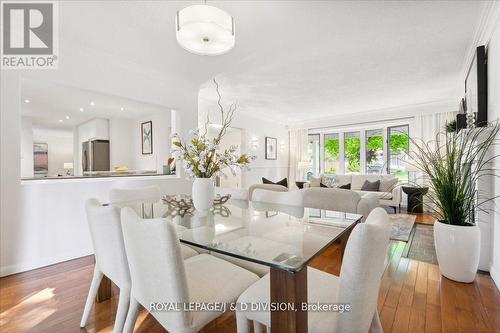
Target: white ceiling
[325, 59]
[294, 60]
[49, 103]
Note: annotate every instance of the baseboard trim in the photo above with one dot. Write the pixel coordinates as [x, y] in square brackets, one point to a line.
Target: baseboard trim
[23, 267]
[495, 275]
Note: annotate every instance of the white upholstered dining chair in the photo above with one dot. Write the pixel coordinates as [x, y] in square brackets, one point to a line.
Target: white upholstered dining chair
[110, 258]
[358, 285]
[159, 275]
[138, 199]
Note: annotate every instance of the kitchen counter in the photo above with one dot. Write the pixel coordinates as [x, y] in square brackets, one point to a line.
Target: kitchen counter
[100, 174]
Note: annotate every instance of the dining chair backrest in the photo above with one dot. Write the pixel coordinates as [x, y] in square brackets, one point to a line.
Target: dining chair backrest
[156, 266]
[290, 198]
[379, 216]
[360, 273]
[124, 196]
[107, 239]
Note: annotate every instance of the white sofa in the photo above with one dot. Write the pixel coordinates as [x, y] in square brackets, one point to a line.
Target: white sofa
[389, 193]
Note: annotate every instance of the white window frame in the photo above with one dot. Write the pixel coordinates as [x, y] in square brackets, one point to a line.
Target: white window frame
[362, 130]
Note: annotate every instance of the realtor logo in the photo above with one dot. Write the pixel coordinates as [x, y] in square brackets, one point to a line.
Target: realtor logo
[29, 35]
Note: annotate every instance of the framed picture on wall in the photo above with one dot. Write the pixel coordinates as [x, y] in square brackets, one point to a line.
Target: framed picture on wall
[271, 148]
[40, 158]
[147, 137]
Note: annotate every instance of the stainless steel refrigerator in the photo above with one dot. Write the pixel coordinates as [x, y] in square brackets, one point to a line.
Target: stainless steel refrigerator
[95, 155]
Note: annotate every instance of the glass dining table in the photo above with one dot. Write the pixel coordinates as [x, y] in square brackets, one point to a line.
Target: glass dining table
[283, 238]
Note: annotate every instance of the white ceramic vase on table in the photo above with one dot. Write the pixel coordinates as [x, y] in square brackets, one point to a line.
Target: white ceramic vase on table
[203, 193]
[457, 250]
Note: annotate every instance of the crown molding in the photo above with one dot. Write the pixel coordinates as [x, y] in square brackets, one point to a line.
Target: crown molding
[378, 115]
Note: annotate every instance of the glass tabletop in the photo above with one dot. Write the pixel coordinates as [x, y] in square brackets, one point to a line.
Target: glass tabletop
[279, 236]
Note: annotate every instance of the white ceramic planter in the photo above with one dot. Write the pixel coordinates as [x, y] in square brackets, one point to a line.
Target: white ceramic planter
[457, 250]
[203, 193]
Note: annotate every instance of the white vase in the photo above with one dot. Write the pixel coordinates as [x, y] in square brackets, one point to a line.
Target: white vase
[457, 250]
[203, 193]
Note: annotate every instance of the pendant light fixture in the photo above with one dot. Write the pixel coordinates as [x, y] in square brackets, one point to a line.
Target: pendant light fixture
[205, 30]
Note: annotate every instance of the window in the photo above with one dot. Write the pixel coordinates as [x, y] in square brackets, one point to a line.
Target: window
[374, 151]
[352, 152]
[371, 150]
[332, 153]
[398, 151]
[313, 155]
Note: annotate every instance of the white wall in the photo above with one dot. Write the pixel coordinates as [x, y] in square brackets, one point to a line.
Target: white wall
[493, 51]
[27, 147]
[120, 142]
[161, 142]
[60, 148]
[254, 131]
[53, 226]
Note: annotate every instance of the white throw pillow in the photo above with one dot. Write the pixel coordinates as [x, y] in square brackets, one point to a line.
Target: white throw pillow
[329, 181]
[387, 185]
[343, 179]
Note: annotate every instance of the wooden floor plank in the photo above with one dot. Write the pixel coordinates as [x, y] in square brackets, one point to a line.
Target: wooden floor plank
[433, 318]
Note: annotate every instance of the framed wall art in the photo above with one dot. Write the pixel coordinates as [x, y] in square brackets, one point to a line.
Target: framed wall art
[271, 148]
[147, 137]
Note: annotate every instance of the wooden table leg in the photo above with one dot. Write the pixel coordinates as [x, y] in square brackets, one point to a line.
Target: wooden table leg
[104, 291]
[343, 241]
[289, 288]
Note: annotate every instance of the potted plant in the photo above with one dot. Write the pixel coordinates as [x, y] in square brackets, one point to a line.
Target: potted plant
[203, 159]
[453, 164]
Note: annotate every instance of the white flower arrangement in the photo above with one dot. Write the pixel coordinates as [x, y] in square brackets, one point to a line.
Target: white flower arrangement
[201, 156]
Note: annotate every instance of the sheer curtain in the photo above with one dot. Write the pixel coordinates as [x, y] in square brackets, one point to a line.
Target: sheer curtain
[298, 153]
[427, 126]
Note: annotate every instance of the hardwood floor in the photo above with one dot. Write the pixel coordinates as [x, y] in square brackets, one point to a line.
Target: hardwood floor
[413, 298]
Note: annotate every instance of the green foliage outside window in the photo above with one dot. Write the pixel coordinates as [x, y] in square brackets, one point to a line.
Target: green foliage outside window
[352, 150]
[399, 142]
[373, 146]
[352, 147]
[332, 153]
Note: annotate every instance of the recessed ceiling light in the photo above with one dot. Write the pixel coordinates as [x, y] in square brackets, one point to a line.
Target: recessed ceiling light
[122, 108]
[67, 117]
[92, 103]
[60, 120]
[27, 100]
[81, 109]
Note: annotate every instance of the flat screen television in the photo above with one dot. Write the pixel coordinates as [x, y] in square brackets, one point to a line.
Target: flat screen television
[476, 91]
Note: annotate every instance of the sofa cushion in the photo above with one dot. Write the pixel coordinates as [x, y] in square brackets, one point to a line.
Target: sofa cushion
[359, 180]
[380, 195]
[331, 199]
[388, 184]
[343, 180]
[370, 186]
